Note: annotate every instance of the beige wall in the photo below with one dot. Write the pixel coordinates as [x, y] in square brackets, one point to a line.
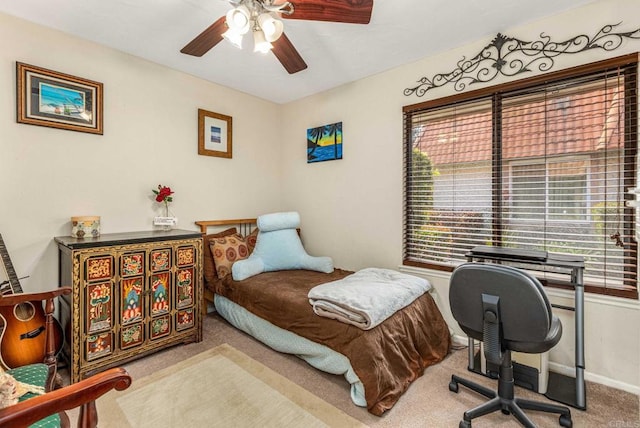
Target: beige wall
[351, 209]
[150, 137]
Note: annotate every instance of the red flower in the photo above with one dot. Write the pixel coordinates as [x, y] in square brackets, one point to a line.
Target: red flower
[163, 194]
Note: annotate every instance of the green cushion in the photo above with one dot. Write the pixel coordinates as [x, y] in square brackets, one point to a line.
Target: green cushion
[35, 374]
[52, 421]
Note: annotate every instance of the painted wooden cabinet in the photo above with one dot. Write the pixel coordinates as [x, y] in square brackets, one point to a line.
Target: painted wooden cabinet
[133, 294]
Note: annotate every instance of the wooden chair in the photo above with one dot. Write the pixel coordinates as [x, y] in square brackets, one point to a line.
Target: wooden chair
[50, 407]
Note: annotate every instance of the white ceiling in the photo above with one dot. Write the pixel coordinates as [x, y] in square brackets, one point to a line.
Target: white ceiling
[400, 32]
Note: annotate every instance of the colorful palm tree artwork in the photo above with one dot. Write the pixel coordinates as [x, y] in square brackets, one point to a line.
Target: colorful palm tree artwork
[324, 143]
[313, 137]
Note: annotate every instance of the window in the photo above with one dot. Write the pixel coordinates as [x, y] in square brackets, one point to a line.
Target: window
[544, 163]
[560, 184]
[567, 191]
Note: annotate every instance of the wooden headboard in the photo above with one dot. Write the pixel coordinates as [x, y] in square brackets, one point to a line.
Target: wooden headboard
[245, 225]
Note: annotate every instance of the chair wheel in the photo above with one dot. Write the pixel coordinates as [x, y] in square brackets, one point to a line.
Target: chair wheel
[565, 421]
[464, 424]
[505, 412]
[453, 386]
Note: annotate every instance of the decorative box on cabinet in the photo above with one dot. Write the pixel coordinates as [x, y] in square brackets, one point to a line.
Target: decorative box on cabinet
[133, 294]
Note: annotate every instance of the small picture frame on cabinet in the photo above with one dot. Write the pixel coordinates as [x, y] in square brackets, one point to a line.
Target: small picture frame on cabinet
[214, 134]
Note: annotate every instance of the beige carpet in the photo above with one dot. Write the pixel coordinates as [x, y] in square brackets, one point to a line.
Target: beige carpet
[221, 387]
[428, 403]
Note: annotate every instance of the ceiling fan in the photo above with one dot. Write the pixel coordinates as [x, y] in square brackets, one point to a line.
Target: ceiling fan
[261, 17]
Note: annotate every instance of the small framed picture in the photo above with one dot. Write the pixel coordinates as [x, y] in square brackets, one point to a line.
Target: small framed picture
[57, 100]
[214, 134]
[324, 143]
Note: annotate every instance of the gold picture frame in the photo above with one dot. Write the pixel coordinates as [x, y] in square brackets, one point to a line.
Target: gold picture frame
[57, 100]
[215, 134]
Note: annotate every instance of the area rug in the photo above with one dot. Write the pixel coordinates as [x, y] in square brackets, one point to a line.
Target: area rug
[221, 387]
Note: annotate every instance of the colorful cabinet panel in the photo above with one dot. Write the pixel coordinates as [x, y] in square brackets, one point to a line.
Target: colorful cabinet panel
[131, 299]
[132, 264]
[160, 293]
[99, 306]
[133, 294]
[185, 287]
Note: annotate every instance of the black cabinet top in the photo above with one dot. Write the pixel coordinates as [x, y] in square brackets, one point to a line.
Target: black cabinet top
[125, 238]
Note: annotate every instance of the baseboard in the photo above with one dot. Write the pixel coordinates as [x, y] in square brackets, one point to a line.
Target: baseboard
[596, 378]
[570, 371]
[459, 341]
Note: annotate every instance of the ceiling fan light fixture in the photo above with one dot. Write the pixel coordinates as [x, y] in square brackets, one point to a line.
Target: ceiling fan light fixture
[239, 19]
[285, 8]
[247, 15]
[271, 27]
[233, 37]
[260, 43]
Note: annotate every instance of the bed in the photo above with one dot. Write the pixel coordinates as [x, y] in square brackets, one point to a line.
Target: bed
[273, 307]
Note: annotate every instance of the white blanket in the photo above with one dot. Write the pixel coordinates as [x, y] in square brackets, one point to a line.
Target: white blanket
[367, 297]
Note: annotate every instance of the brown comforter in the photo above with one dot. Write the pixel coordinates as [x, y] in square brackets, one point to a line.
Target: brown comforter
[386, 358]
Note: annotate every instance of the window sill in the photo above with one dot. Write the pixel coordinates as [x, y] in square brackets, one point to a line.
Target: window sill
[552, 292]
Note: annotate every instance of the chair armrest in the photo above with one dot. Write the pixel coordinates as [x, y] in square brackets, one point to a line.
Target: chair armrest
[14, 299]
[32, 410]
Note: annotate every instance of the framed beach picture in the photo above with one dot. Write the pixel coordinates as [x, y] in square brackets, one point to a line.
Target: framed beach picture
[214, 134]
[324, 143]
[57, 100]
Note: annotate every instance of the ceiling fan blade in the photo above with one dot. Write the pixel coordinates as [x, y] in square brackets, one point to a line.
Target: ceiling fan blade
[287, 54]
[348, 11]
[207, 39]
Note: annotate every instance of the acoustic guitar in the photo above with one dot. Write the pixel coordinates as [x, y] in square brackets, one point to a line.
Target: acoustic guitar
[23, 338]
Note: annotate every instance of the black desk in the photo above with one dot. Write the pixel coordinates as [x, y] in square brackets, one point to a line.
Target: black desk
[560, 388]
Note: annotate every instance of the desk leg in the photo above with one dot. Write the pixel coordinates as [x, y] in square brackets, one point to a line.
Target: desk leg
[566, 389]
[579, 321]
[472, 356]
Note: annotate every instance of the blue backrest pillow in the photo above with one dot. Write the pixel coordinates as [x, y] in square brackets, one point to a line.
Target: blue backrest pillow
[278, 247]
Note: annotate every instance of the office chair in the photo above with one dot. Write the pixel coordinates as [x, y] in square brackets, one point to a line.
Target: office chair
[508, 310]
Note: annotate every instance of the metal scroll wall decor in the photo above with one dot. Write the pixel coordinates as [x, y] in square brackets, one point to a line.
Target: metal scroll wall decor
[510, 56]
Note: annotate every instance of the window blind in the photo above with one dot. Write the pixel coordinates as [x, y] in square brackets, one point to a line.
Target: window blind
[544, 167]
